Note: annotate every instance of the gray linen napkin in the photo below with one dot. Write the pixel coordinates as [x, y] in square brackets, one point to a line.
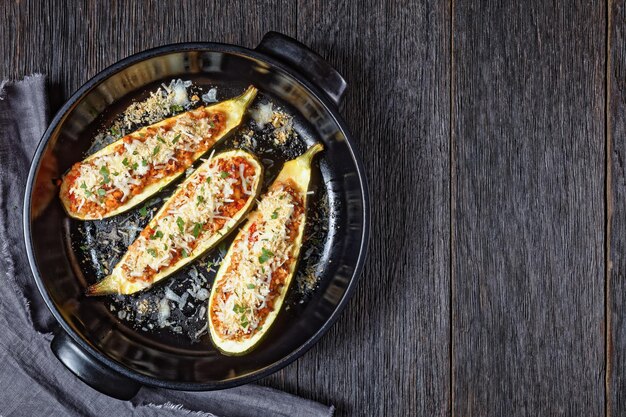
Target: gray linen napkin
[32, 381]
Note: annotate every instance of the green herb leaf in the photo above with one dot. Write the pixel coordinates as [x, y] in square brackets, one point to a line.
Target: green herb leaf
[144, 162]
[114, 131]
[265, 255]
[208, 180]
[199, 200]
[196, 230]
[160, 139]
[251, 286]
[157, 235]
[224, 174]
[135, 166]
[176, 138]
[101, 192]
[125, 162]
[156, 150]
[275, 214]
[181, 224]
[143, 212]
[105, 174]
[152, 252]
[183, 253]
[176, 108]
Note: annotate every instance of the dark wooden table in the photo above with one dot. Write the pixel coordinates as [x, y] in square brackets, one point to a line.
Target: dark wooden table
[494, 136]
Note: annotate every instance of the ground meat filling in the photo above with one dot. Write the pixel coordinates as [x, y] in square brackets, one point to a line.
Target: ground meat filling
[181, 148]
[269, 273]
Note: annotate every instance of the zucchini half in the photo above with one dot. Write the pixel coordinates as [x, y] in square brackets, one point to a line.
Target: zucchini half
[131, 169]
[188, 224]
[255, 275]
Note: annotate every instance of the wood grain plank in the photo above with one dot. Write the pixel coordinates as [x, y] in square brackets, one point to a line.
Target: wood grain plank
[616, 198]
[388, 355]
[72, 41]
[528, 277]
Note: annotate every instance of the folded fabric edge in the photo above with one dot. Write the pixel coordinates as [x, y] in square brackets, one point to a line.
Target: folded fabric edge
[27, 79]
[178, 407]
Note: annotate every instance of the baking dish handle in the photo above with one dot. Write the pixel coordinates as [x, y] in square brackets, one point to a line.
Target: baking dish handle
[302, 59]
[90, 370]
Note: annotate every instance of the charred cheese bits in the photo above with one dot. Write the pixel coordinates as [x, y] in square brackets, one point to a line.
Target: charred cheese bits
[204, 208]
[133, 168]
[250, 286]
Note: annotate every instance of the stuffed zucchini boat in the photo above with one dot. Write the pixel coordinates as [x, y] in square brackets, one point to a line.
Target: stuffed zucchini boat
[204, 208]
[250, 286]
[131, 169]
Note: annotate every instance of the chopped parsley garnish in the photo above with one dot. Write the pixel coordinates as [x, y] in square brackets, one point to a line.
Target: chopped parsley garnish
[251, 286]
[176, 108]
[224, 174]
[275, 214]
[135, 166]
[239, 309]
[105, 174]
[176, 138]
[87, 192]
[183, 253]
[265, 255]
[181, 224]
[125, 162]
[160, 139]
[157, 235]
[152, 252]
[196, 230]
[208, 180]
[114, 131]
[165, 246]
[156, 150]
[199, 200]
[143, 212]
[101, 192]
[144, 162]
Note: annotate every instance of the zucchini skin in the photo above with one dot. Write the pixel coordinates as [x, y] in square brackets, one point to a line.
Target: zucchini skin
[117, 283]
[298, 172]
[232, 110]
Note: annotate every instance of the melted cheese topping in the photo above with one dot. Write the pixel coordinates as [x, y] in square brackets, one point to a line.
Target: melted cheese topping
[261, 259]
[213, 196]
[102, 184]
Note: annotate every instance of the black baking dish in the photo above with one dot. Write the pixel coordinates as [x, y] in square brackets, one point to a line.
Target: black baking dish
[117, 359]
